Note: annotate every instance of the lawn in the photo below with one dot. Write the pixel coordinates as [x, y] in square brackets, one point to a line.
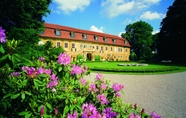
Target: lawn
[137, 69]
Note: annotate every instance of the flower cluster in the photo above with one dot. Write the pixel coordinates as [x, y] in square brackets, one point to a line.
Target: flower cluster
[2, 35]
[102, 98]
[117, 88]
[75, 115]
[15, 74]
[154, 115]
[64, 59]
[99, 76]
[90, 111]
[53, 82]
[32, 72]
[108, 113]
[76, 70]
[82, 81]
[132, 115]
[41, 58]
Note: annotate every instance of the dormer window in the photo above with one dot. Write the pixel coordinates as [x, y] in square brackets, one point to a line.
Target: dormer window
[114, 40]
[105, 39]
[84, 36]
[72, 34]
[57, 32]
[125, 42]
[96, 38]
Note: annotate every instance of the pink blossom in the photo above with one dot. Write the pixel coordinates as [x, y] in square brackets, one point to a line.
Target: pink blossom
[99, 76]
[64, 59]
[103, 86]
[102, 98]
[42, 110]
[132, 115]
[82, 81]
[76, 70]
[40, 70]
[117, 87]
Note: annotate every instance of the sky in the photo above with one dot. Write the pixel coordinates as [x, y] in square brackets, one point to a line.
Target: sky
[107, 16]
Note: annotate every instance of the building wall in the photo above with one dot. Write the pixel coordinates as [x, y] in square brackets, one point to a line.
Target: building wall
[84, 47]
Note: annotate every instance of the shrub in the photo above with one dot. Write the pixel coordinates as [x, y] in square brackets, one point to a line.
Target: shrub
[80, 57]
[97, 57]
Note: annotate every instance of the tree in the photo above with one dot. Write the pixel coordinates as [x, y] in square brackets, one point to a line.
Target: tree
[22, 19]
[172, 33]
[139, 35]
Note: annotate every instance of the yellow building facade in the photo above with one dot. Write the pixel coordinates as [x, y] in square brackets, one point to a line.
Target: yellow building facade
[86, 43]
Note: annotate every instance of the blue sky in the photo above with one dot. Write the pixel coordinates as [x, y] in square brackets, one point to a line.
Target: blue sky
[107, 16]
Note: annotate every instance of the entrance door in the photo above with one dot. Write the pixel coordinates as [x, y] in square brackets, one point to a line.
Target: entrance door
[89, 56]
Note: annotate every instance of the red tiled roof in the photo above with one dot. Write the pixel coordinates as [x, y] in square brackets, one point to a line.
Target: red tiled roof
[65, 33]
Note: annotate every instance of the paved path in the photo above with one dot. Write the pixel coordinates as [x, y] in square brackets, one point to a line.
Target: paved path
[164, 94]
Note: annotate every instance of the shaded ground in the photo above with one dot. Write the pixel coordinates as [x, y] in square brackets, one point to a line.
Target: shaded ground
[164, 94]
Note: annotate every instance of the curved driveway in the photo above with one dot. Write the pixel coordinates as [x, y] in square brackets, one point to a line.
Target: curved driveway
[164, 94]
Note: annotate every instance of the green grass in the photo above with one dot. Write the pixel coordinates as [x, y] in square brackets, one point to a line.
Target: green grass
[151, 66]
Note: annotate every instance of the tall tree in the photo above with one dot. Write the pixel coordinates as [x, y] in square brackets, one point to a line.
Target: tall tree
[139, 35]
[22, 19]
[173, 34]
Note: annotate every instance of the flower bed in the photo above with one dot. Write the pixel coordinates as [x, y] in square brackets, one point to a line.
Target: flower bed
[56, 89]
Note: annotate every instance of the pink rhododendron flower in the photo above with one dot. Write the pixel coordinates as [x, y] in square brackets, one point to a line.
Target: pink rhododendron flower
[64, 59]
[2, 35]
[76, 70]
[82, 81]
[75, 115]
[41, 58]
[154, 115]
[102, 98]
[117, 87]
[99, 76]
[40, 70]
[103, 86]
[42, 110]
[132, 115]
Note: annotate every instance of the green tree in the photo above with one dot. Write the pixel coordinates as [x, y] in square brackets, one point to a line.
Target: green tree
[22, 19]
[172, 33]
[139, 35]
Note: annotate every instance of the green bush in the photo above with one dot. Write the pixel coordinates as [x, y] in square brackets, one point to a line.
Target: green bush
[80, 57]
[97, 57]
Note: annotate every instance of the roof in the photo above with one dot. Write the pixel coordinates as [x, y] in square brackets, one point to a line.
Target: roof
[65, 31]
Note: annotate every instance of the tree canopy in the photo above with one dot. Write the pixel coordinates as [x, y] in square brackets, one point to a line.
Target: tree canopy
[139, 35]
[172, 36]
[22, 19]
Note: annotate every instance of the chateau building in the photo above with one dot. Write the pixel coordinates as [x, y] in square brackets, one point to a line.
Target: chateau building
[86, 43]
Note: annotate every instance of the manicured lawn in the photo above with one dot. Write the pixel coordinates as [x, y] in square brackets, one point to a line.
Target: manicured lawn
[114, 65]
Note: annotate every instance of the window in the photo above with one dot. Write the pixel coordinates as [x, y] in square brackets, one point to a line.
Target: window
[66, 45]
[126, 50]
[96, 38]
[114, 49]
[42, 32]
[97, 47]
[106, 48]
[81, 46]
[119, 49]
[85, 46]
[119, 56]
[73, 45]
[105, 39]
[110, 48]
[72, 34]
[101, 47]
[114, 40]
[84, 36]
[58, 44]
[57, 32]
[125, 42]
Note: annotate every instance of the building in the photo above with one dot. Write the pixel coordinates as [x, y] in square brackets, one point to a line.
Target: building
[86, 43]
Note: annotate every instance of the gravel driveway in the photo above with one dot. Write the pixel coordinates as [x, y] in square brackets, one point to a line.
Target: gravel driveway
[164, 94]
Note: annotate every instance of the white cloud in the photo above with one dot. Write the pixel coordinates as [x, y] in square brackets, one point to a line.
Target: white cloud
[127, 21]
[68, 6]
[113, 8]
[148, 15]
[94, 28]
[120, 34]
[154, 32]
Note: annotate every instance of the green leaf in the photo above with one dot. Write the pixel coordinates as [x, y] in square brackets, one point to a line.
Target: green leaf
[4, 57]
[28, 93]
[60, 96]
[59, 69]
[66, 109]
[27, 114]
[2, 49]
[8, 95]
[49, 105]
[23, 96]
[23, 83]
[15, 96]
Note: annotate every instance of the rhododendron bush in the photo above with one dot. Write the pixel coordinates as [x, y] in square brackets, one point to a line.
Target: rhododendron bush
[57, 89]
